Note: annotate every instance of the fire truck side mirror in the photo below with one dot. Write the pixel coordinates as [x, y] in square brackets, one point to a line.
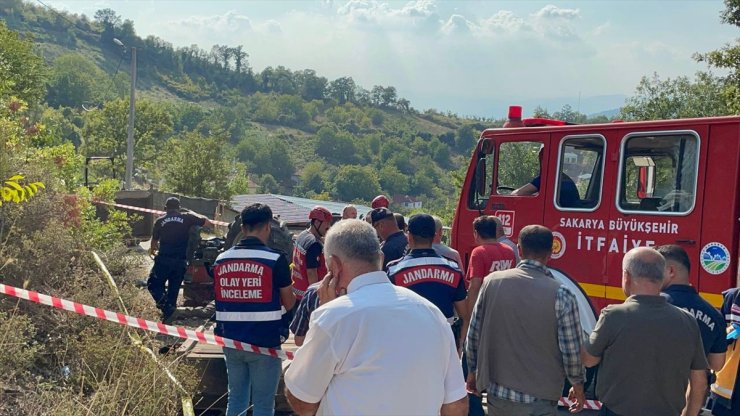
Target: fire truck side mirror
[480, 177]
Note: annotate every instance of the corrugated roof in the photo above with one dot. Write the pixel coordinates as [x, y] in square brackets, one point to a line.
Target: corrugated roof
[292, 210]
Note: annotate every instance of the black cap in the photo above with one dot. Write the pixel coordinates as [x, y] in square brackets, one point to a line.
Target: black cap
[172, 203]
[380, 214]
[422, 225]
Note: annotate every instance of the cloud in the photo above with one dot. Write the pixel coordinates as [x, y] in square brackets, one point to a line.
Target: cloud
[504, 21]
[458, 24]
[230, 22]
[554, 12]
[419, 14]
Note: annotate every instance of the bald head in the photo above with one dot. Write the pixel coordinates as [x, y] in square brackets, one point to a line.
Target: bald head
[644, 263]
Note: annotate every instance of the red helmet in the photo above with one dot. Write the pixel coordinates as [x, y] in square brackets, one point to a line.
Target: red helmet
[380, 201]
[320, 213]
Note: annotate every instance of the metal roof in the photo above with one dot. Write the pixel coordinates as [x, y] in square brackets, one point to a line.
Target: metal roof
[292, 210]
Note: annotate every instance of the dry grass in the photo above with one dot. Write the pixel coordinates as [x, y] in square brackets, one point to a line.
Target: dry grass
[54, 362]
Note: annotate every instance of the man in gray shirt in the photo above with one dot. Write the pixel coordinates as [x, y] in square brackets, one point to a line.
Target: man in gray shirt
[649, 350]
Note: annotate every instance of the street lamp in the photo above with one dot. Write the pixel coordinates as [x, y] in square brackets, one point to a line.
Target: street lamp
[131, 117]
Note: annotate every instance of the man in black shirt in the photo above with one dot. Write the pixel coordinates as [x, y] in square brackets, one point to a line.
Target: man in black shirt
[394, 240]
[679, 292]
[170, 243]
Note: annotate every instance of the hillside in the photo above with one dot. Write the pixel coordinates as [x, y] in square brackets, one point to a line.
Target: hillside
[294, 131]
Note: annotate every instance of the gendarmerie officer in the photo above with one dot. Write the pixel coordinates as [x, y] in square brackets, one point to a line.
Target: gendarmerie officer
[427, 273]
[252, 288]
[170, 242]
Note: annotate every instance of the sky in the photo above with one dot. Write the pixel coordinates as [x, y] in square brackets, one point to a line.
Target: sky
[469, 57]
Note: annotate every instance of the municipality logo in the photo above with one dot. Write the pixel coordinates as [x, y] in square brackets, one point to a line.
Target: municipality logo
[715, 258]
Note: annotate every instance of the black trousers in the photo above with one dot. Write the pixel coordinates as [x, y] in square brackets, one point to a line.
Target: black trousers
[169, 271]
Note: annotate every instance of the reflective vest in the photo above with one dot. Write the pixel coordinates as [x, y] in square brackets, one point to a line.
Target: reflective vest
[725, 382]
[431, 276]
[248, 305]
[300, 270]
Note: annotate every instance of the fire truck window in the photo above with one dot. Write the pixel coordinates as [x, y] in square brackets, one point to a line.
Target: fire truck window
[518, 165]
[581, 164]
[482, 184]
[659, 174]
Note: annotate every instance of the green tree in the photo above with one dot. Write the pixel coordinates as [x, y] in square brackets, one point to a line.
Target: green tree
[356, 182]
[728, 58]
[393, 181]
[342, 90]
[105, 132]
[567, 113]
[335, 146]
[196, 165]
[268, 185]
[22, 72]
[312, 177]
[657, 99]
[74, 81]
[269, 157]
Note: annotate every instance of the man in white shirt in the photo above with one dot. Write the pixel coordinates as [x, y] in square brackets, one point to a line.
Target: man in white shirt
[379, 350]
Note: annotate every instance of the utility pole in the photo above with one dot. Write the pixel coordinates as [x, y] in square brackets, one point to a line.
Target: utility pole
[131, 117]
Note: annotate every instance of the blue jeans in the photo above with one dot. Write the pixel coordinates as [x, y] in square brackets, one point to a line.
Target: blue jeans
[254, 375]
[475, 403]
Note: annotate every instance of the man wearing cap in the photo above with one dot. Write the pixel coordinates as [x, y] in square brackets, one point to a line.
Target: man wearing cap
[309, 265]
[394, 240]
[169, 246]
[427, 273]
[252, 287]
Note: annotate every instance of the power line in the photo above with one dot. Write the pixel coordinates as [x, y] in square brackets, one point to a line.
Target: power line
[58, 14]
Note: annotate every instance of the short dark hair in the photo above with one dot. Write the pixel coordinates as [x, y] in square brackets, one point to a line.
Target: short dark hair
[400, 221]
[535, 240]
[485, 225]
[255, 216]
[673, 252]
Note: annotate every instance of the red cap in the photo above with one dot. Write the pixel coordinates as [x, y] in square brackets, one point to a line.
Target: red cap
[515, 112]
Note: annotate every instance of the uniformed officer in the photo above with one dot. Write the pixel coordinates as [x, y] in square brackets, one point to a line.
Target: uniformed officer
[309, 265]
[427, 273]
[252, 285]
[169, 244]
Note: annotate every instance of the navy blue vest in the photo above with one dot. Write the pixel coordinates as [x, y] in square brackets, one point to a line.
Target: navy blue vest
[248, 305]
[430, 275]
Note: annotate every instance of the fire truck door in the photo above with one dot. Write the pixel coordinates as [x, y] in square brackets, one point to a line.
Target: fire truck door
[658, 198]
[519, 179]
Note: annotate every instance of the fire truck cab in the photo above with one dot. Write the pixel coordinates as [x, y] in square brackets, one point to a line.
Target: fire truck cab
[606, 188]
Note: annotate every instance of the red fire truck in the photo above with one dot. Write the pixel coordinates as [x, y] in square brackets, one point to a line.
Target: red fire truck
[606, 188]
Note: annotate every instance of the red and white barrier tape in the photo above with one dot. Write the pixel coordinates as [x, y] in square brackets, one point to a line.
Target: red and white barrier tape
[151, 211]
[588, 404]
[119, 318]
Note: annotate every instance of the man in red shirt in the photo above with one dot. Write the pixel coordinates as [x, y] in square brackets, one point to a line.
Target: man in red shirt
[489, 256]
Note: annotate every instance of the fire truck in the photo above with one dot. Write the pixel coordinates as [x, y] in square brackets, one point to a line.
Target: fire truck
[606, 188]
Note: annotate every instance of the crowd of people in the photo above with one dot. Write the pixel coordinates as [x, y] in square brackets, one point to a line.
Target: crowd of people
[390, 321]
